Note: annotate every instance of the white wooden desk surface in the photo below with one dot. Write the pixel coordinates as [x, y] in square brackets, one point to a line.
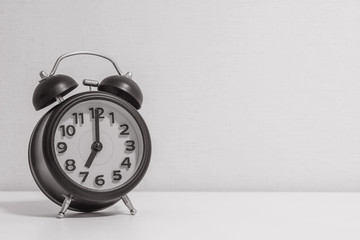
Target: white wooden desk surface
[190, 215]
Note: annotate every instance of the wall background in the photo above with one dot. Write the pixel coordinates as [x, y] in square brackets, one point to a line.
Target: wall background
[238, 95]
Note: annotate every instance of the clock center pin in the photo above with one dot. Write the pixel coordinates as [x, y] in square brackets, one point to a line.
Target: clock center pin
[97, 146]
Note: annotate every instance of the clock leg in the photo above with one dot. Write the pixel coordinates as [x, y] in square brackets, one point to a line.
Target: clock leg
[65, 205]
[129, 205]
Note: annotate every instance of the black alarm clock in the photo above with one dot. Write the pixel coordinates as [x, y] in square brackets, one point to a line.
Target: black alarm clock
[91, 149]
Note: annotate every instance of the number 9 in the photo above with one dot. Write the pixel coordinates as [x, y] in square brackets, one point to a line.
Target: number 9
[62, 147]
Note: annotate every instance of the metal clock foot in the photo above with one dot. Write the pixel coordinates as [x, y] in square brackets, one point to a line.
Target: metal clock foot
[65, 205]
[129, 205]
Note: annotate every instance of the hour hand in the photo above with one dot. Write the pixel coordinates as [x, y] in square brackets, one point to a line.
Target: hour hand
[91, 158]
[95, 148]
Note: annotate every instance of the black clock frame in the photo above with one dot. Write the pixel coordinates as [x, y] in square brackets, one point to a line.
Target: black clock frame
[50, 178]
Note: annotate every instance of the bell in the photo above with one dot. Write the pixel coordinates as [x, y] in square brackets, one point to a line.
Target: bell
[123, 87]
[50, 88]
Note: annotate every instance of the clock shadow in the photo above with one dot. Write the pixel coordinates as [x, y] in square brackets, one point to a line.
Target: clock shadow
[104, 213]
[47, 209]
[34, 208]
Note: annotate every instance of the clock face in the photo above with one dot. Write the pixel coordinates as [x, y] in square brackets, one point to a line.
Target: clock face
[98, 145]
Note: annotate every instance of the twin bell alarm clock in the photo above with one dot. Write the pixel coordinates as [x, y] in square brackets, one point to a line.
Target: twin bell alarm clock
[90, 149]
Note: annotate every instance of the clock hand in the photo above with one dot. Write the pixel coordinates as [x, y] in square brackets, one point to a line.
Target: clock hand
[96, 146]
[91, 158]
[97, 128]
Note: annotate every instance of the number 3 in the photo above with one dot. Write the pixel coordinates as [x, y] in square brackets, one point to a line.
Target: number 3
[130, 145]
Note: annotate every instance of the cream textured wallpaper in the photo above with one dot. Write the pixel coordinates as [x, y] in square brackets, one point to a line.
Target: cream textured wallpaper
[238, 95]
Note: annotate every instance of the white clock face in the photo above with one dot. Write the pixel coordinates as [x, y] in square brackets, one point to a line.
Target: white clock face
[98, 145]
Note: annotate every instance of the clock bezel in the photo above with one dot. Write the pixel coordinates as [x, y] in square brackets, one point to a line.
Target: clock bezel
[61, 176]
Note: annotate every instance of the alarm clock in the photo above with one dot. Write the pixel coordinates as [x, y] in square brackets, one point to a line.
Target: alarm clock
[90, 149]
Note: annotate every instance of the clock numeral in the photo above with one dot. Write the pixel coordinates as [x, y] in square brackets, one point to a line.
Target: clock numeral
[99, 180]
[69, 130]
[130, 145]
[70, 165]
[125, 129]
[126, 163]
[100, 112]
[78, 118]
[112, 117]
[116, 175]
[62, 147]
[85, 176]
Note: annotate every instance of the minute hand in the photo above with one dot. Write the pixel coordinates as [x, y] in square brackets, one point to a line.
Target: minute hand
[96, 146]
[97, 128]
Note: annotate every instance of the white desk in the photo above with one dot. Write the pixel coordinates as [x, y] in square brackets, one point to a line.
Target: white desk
[175, 215]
